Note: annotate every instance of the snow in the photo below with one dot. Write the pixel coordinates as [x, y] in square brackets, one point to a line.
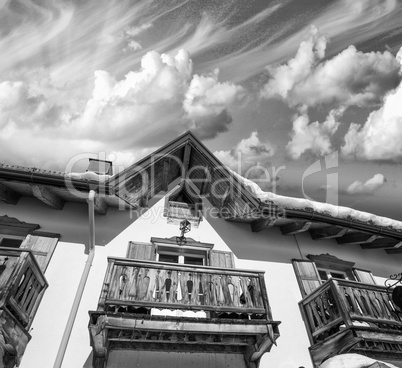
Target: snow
[89, 176]
[351, 361]
[318, 207]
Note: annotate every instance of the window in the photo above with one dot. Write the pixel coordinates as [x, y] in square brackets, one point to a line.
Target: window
[181, 255]
[11, 241]
[318, 269]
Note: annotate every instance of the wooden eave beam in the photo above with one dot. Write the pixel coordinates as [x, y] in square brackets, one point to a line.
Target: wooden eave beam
[48, 197]
[328, 232]
[8, 195]
[394, 251]
[382, 243]
[295, 227]
[356, 238]
[144, 190]
[100, 206]
[262, 224]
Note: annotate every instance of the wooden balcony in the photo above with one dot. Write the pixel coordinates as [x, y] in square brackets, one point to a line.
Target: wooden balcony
[345, 316]
[237, 314]
[22, 286]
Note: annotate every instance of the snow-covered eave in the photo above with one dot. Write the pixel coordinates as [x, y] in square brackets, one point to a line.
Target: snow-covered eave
[305, 209]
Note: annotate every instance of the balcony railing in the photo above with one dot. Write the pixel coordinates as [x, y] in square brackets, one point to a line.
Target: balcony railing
[22, 284]
[133, 283]
[363, 311]
[238, 319]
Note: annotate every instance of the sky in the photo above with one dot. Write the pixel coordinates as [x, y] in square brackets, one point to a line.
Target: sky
[302, 96]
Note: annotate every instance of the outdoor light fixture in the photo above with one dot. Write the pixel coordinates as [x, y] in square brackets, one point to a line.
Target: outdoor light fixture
[185, 227]
[395, 292]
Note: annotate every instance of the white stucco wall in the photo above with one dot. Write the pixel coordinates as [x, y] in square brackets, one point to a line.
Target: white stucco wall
[65, 271]
[267, 250]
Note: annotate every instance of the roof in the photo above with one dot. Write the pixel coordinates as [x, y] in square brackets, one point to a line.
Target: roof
[236, 198]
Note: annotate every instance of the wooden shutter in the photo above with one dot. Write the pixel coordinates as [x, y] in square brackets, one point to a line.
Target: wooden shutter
[143, 251]
[219, 258]
[307, 276]
[364, 276]
[42, 248]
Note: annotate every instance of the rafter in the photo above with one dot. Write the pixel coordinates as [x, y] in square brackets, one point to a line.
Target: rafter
[8, 196]
[207, 181]
[165, 178]
[382, 243]
[100, 206]
[186, 158]
[262, 224]
[48, 197]
[356, 238]
[295, 227]
[328, 232]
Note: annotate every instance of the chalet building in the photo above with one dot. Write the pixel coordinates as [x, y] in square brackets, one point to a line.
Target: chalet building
[178, 261]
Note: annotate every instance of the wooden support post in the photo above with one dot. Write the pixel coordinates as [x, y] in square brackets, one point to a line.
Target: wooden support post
[9, 196]
[47, 196]
[356, 238]
[295, 227]
[328, 232]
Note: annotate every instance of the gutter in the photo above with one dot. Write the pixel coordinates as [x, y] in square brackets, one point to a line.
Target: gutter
[81, 286]
[47, 179]
[317, 217]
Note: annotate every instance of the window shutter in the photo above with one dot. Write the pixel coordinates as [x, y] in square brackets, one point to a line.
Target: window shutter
[364, 276]
[142, 251]
[42, 248]
[307, 276]
[219, 258]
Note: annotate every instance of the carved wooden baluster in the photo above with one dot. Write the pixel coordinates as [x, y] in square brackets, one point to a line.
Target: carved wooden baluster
[133, 290]
[190, 285]
[201, 297]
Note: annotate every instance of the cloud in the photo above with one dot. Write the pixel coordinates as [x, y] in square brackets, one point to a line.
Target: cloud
[250, 158]
[145, 108]
[314, 137]
[380, 136]
[368, 187]
[351, 78]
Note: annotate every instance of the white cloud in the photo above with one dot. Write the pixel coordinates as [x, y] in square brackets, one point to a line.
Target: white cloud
[251, 159]
[368, 187]
[145, 108]
[314, 137]
[380, 137]
[349, 78]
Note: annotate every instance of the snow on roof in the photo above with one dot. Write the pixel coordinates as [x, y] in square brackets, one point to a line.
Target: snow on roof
[319, 207]
[351, 361]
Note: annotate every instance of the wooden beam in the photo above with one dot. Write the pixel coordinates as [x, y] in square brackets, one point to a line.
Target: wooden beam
[100, 206]
[328, 232]
[394, 251]
[207, 181]
[48, 197]
[186, 159]
[265, 344]
[356, 238]
[144, 190]
[8, 196]
[295, 227]
[262, 224]
[382, 243]
[165, 178]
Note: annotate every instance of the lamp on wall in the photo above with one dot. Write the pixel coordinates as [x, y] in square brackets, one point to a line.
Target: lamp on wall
[185, 227]
[395, 292]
